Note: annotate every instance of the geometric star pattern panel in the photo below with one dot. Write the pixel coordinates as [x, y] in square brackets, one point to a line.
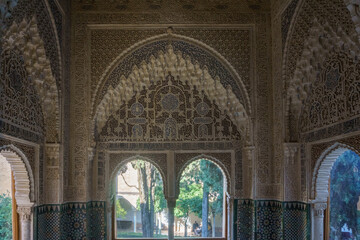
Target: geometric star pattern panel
[75, 220]
[296, 221]
[269, 219]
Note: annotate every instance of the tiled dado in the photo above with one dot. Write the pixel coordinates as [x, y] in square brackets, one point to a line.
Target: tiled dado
[267, 219]
[70, 221]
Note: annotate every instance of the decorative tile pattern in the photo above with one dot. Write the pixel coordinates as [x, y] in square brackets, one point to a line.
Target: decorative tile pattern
[48, 222]
[96, 220]
[70, 221]
[268, 219]
[73, 221]
[268, 216]
[244, 219]
[296, 220]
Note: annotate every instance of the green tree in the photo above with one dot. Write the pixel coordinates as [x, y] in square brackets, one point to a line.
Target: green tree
[344, 194]
[210, 177]
[120, 211]
[190, 200]
[151, 197]
[5, 217]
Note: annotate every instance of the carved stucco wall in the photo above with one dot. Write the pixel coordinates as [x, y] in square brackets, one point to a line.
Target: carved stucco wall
[297, 25]
[97, 33]
[31, 79]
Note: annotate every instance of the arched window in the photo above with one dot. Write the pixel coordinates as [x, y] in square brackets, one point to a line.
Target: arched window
[344, 201]
[201, 201]
[140, 208]
[7, 216]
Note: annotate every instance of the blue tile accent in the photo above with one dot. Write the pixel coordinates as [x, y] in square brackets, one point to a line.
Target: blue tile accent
[244, 219]
[296, 220]
[75, 220]
[96, 220]
[268, 215]
[48, 222]
[269, 219]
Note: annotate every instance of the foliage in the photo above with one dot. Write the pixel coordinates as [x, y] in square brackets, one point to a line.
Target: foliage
[120, 211]
[151, 197]
[344, 193]
[160, 201]
[207, 179]
[5, 217]
[189, 200]
[137, 235]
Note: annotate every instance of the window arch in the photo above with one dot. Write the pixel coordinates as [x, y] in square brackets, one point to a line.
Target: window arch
[320, 189]
[202, 184]
[323, 166]
[344, 199]
[23, 187]
[140, 208]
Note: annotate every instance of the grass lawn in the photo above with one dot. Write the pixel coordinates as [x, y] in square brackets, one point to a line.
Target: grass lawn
[136, 235]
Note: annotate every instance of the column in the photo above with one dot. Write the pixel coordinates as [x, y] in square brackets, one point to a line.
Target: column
[25, 222]
[111, 221]
[135, 212]
[318, 223]
[292, 172]
[248, 178]
[229, 214]
[52, 172]
[171, 206]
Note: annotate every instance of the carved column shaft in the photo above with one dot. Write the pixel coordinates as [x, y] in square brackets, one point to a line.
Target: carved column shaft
[318, 227]
[25, 222]
[229, 210]
[52, 172]
[248, 171]
[171, 203]
[292, 174]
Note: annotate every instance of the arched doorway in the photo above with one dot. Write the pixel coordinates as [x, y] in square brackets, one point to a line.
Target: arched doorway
[23, 186]
[200, 203]
[321, 180]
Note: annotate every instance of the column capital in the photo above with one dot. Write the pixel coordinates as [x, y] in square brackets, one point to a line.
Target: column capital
[291, 149]
[52, 149]
[24, 212]
[319, 209]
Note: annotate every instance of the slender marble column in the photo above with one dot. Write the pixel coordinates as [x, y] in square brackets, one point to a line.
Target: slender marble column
[25, 222]
[318, 211]
[171, 206]
[248, 173]
[229, 209]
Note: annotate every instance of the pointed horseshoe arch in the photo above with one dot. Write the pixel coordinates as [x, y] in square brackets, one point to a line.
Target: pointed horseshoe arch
[322, 171]
[24, 179]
